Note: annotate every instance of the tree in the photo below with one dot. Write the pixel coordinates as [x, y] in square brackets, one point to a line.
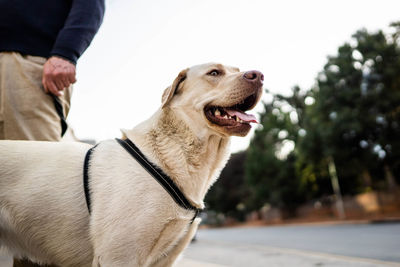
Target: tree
[355, 115]
[349, 120]
[270, 165]
[229, 193]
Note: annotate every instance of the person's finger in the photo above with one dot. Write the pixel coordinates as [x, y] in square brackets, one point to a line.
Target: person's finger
[72, 75]
[62, 77]
[47, 72]
[65, 81]
[70, 78]
[59, 84]
[53, 88]
[44, 82]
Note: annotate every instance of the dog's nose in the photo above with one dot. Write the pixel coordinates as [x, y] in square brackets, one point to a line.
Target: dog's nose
[253, 76]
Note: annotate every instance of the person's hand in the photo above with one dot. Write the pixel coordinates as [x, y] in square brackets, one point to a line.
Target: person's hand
[58, 74]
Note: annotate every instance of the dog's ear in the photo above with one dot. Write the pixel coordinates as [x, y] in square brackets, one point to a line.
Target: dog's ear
[170, 91]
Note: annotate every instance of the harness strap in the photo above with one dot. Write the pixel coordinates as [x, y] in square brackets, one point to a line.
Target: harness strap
[86, 177]
[60, 111]
[164, 180]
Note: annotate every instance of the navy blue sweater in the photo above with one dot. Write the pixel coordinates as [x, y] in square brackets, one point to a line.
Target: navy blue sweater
[49, 27]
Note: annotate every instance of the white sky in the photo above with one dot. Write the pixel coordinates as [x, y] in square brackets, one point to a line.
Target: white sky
[142, 45]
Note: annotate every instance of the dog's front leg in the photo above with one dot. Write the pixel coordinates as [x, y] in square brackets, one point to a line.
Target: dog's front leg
[172, 255]
[96, 262]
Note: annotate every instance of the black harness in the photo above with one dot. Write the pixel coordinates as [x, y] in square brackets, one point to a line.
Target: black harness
[164, 180]
[60, 111]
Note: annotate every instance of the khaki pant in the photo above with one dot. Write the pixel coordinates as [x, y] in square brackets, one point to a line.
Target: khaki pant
[26, 111]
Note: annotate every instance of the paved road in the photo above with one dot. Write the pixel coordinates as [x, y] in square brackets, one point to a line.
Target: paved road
[349, 245]
[326, 245]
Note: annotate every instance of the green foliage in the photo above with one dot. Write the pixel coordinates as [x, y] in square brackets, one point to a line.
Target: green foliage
[270, 166]
[229, 192]
[355, 116]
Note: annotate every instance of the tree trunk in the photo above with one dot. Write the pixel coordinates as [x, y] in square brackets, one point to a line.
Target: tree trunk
[336, 188]
[366, 177]
[390, 181]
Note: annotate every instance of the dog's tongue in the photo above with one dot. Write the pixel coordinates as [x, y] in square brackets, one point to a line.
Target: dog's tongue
[241, 115]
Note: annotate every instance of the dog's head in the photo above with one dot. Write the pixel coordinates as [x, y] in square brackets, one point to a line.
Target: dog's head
[216, 96]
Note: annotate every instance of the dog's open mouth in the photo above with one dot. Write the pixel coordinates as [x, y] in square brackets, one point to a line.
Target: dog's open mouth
[233, 116]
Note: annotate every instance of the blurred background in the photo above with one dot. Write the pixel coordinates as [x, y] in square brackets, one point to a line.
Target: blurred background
[327, 148]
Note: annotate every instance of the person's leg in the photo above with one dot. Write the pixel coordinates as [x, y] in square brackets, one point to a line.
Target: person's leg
[2, 55]
[28, 112]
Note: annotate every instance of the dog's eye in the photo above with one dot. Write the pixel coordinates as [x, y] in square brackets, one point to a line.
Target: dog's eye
[214, 73]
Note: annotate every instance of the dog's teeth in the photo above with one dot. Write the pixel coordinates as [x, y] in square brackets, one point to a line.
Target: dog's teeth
[217, 112]
[241, 121]
[237, 119]
[225, 116]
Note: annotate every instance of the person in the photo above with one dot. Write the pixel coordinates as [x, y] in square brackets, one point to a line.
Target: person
[40, 43]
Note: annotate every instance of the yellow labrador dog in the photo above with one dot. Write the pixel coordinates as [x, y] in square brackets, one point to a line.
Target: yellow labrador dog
[133, 220]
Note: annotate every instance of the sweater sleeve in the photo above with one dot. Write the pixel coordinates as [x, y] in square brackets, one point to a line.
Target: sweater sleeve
[81, 25]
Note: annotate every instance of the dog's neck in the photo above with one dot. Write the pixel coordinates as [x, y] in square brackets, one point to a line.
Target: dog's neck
[192, 160]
